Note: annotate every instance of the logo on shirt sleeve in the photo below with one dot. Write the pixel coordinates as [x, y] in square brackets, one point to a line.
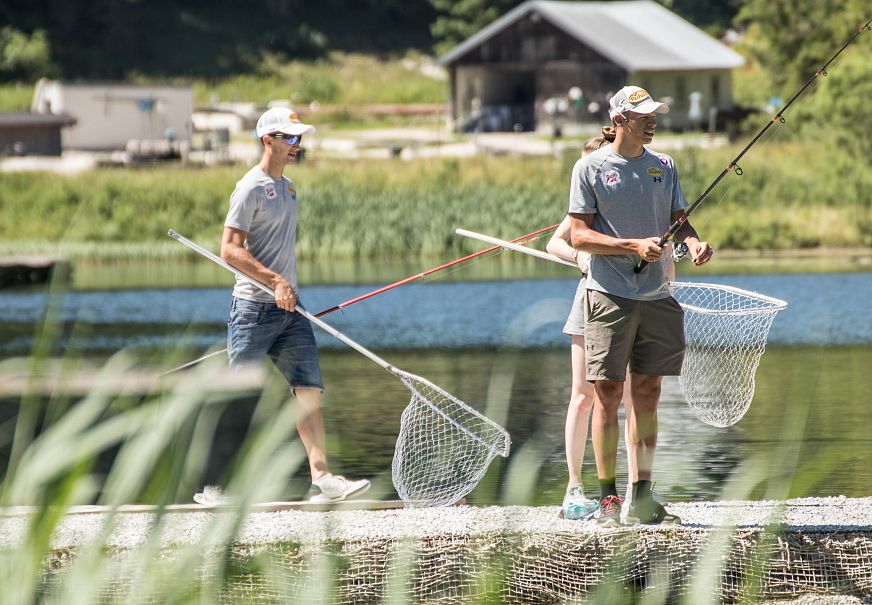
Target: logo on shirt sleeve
[270, 192]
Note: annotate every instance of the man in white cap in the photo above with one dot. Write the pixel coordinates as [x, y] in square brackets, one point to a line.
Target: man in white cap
[259, 238]
[622, 198]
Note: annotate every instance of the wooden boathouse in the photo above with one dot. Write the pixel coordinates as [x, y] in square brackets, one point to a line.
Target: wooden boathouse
[546, 60]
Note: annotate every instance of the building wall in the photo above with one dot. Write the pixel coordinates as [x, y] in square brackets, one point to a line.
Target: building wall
[30, 140]
[534, 53]
[108, 116]
[597, 81]
[519, 69]
[675, 87]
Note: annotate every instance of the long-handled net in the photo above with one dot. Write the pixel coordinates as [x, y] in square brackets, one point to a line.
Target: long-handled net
[726, 330]
[444, 446]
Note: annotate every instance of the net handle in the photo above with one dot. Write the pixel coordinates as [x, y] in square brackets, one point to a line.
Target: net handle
[337, 334]
[318, 322]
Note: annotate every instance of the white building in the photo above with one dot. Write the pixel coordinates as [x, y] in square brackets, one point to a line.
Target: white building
[109, 116]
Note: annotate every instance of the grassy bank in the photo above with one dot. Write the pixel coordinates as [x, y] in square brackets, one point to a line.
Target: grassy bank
[340, 79]
[790, 196]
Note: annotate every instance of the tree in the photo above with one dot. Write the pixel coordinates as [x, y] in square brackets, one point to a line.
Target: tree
[791, 39]
[458, 20]
[24, 57]
[839, 106]
[714, 16]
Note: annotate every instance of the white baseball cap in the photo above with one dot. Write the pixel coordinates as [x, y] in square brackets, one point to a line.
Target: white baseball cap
[635, 99]
[282, 119]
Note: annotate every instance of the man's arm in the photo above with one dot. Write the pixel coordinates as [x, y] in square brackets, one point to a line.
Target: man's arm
[233, 252]
[594, 242]
[700, 252]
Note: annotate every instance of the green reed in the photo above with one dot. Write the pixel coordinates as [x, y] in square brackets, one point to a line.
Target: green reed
[791, 197]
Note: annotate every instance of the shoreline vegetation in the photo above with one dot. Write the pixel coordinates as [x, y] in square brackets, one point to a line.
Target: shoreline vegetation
[792, 196]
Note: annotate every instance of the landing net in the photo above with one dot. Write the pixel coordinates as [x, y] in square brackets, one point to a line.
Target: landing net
[726, 330]
[444, 446]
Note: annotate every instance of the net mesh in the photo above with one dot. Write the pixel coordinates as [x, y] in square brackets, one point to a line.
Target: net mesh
[463, 555]
[726, 330]
[444, 446]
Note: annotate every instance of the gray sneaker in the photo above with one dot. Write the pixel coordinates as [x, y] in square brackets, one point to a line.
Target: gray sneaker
[628, 499]
[335, 488]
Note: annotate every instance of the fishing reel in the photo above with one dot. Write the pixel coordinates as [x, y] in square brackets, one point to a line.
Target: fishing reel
[679, 251]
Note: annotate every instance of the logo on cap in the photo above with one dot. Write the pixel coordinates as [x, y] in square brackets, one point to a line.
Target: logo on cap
[638, 95]
[293, 117]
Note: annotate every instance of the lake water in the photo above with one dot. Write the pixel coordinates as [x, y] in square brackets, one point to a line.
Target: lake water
[815, 377]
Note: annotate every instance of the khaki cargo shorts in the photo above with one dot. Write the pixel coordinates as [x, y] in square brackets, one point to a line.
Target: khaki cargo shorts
[647, 334]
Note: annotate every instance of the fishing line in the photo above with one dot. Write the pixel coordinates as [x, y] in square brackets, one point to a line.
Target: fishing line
[734, 165]
[776, 132]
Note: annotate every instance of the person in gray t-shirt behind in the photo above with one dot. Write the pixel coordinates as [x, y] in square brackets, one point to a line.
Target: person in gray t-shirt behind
[622, 198]
[259, 238]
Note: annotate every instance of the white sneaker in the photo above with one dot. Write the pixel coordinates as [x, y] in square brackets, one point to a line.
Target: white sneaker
[212, 495]
[335, 488]
[576, 506]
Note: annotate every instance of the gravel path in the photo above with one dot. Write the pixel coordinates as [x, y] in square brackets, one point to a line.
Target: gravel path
[805, 515]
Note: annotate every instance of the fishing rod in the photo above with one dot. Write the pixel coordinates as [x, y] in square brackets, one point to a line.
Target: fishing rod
[734, 165]
[522, 239]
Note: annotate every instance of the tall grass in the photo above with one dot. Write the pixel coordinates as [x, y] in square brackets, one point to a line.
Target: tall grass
[791, 196]
[15, 97]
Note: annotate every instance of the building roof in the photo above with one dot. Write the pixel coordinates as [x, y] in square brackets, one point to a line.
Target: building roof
[652, 38]
[20, 119]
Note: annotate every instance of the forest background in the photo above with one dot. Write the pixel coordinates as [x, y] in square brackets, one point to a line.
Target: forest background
[809, 189]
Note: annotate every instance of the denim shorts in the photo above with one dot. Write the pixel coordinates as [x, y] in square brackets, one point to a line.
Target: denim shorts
[259, 329]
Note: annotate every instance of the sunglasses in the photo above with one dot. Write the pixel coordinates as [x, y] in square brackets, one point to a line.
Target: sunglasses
[290, 139]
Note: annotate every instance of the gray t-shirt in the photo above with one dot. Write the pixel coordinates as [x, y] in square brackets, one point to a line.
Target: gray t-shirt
[265, 208]
[631, 198]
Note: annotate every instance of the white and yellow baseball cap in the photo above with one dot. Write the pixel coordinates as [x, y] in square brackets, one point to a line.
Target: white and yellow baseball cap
[282, 119]
[635, 99]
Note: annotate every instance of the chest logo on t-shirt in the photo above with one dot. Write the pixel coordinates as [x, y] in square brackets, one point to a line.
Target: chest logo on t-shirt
[612, 177]
[656, 173]
[270, 192]
[292, 190]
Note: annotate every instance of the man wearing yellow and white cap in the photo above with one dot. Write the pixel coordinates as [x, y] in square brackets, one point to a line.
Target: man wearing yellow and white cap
[622, 198]
[259, 238]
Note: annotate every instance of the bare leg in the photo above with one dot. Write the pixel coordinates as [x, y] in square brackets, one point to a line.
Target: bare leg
[629, 438]
[578, 413]
[310, 425]
[645, 397]
[605, 426]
